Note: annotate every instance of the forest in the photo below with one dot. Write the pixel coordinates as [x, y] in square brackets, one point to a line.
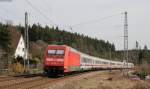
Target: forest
[40, 37]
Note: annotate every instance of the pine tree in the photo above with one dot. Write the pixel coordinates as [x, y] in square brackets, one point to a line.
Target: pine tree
[4, 37]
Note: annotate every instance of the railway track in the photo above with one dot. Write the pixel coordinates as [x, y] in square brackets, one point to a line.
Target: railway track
[25, 82]
[8, 78]
[9, 81]
[28, 83]
[63, 80]
[38, 82]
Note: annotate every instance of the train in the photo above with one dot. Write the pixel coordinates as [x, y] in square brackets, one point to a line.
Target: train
[62, 59]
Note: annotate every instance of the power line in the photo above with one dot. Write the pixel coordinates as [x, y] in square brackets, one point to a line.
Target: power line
[47, 18]
[47, 7]
[91, 21]
[96, 20]
[46, 4]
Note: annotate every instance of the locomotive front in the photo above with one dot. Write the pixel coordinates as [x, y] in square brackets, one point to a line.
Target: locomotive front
[54, 59]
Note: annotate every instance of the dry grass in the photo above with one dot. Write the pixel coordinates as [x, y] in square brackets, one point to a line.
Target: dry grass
[72, 85]
[126, 84]
[145, 68]
[103, 82]
[141, 85]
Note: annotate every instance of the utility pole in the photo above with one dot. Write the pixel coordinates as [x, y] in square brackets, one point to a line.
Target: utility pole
[137, 52]
[126, 37]
[26, 42]
[125, 55]
[110, 59]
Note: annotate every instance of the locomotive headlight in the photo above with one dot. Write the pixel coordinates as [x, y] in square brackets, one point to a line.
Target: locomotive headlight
[49, 59]
[60, 60]
[56, 59]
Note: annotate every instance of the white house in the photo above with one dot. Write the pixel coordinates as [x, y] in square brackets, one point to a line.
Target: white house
[20, 50]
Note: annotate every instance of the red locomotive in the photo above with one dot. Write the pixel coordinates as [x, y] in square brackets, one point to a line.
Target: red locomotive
[60, 59]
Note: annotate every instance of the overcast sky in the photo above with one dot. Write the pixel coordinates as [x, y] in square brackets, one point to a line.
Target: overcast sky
[102, 19]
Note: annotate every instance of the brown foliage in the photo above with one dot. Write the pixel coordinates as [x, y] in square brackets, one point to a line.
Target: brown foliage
[145, 68]
[18, 68]
[140, 86]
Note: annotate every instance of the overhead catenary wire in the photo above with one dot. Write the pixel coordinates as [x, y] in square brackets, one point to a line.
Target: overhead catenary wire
[37, 10]
[71, 27]
[47, 5]
[92, 21]
[34, 21]
[95, 20]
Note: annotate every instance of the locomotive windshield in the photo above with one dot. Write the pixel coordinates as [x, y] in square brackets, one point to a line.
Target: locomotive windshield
[55, 52]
